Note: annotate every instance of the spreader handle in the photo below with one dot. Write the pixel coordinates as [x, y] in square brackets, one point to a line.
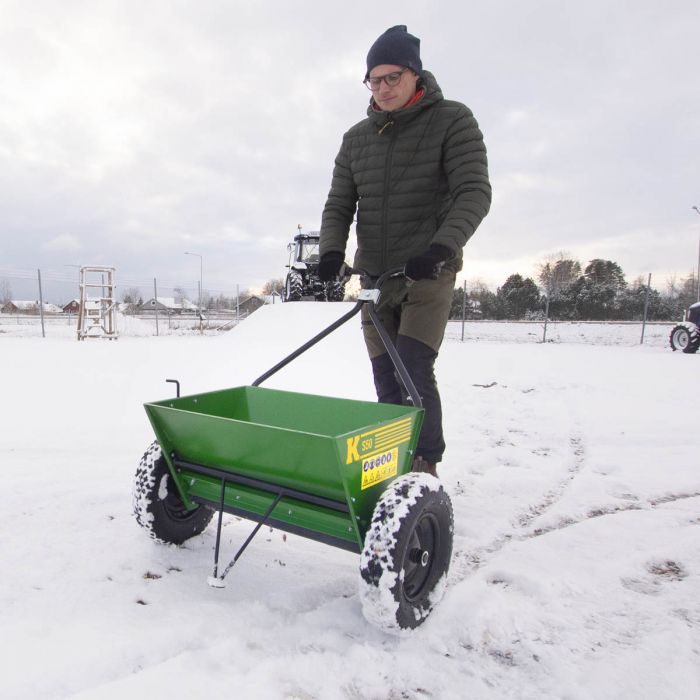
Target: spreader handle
[401, 370]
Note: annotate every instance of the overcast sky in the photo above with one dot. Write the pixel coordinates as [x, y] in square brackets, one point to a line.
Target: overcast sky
[132, 132]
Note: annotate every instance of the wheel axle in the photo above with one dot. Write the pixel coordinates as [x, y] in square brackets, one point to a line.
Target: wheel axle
[419, 556]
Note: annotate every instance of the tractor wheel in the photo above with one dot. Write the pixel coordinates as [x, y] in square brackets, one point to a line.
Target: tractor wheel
[407, 553]
[335, 291]
[157, 505]
[293, 287]
[685, 337]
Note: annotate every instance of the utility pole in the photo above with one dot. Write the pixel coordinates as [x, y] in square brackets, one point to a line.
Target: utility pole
[199, 304]
[698, 278]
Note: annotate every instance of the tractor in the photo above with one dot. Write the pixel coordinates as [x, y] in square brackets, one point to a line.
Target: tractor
[686, 335]
[303, 281]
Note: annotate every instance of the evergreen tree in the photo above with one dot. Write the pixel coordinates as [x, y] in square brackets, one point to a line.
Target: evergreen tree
[517, 297]
[605, 273]
[599, 290]
[457, 303]
[482, 299]
[480, 303]
[559, 279]
[632, 300]
[558, 275]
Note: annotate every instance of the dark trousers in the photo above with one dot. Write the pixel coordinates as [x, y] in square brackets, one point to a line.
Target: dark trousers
[419, 360]
[415, 316]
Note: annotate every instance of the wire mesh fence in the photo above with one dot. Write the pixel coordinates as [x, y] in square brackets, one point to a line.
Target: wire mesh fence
[47, 301]
[152, 307]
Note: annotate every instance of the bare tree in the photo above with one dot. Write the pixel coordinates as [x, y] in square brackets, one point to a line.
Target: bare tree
[557, 272]
[680, 294]
[131, 298]
[477, 286]
[131, 295]
[180, 295]
[272, 285]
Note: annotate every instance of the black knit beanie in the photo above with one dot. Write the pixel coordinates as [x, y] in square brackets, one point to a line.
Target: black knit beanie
[396, 47]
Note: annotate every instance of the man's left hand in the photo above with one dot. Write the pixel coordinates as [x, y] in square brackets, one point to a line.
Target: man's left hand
[427, 265]
[329, 265]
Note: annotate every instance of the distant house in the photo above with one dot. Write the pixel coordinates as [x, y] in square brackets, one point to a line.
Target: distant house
[18, 306]
[9, 307]
[72, 307]
[250, 304]
[168, 305]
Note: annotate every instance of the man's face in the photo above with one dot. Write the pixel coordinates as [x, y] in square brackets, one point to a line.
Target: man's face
[389, 98]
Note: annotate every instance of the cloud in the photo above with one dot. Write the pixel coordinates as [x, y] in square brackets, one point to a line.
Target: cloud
[148, 129]
[64, 242]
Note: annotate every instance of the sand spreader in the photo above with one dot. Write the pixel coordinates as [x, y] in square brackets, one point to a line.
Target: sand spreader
[337, 471]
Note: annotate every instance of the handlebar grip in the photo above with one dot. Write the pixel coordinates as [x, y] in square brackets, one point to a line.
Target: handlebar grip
[348, 271]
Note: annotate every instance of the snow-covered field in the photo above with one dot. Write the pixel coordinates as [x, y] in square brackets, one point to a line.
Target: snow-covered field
[572, 469]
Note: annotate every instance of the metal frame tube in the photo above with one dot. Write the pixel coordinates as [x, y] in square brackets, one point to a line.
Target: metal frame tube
[386, 339]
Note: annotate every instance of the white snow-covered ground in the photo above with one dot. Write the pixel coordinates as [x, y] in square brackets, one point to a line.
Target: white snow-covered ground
[572, 467]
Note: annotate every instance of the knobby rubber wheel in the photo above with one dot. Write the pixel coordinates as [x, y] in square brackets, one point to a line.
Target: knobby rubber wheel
[157, 505]
[335, 291]
[407, 551]
[685, 337]
[293, 287]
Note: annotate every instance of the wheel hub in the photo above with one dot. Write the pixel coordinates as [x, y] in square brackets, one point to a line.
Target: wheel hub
[419, 562]
[681, 338]
[419, 556]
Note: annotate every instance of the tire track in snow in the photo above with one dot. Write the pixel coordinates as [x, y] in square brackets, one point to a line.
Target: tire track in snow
[650, 504]
[555, 494]
[465, 562]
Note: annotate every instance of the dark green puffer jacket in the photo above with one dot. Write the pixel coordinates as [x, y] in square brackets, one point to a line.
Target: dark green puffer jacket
[416, 176]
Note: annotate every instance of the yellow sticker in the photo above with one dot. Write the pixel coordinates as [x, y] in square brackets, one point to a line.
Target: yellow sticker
[379, 467]
[380, 439]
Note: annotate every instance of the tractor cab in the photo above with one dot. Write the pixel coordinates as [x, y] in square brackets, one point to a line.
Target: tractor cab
[304, 250]
[693, 314]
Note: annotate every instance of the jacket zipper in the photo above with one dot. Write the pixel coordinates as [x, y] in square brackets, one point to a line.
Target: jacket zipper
[387, 183]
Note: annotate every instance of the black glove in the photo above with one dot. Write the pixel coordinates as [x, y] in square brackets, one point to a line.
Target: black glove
[427, 265]
[329, 265]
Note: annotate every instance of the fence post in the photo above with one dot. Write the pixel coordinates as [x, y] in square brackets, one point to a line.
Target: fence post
[41, 306]
[646, 307]
[155, 297]
[546, 319]
[464, 306]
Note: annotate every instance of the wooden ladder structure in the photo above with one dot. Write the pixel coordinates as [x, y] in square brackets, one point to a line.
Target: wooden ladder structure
[98, 308]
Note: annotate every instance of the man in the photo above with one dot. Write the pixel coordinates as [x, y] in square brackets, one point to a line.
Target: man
[416, 172]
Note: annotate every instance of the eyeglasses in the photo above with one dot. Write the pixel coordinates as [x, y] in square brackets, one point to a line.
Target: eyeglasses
[391, 79]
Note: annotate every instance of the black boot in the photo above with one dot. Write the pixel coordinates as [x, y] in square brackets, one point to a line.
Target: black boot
[422, 465]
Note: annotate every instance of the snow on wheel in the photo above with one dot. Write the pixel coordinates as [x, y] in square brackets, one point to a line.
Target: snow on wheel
[685, 337]
[406, 556]
[335, 291]
[293, 286]
[157, 504]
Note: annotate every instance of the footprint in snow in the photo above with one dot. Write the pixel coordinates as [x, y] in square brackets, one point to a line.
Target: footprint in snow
[669, 570]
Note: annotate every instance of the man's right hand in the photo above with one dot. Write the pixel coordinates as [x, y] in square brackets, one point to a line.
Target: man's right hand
[329, 265]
